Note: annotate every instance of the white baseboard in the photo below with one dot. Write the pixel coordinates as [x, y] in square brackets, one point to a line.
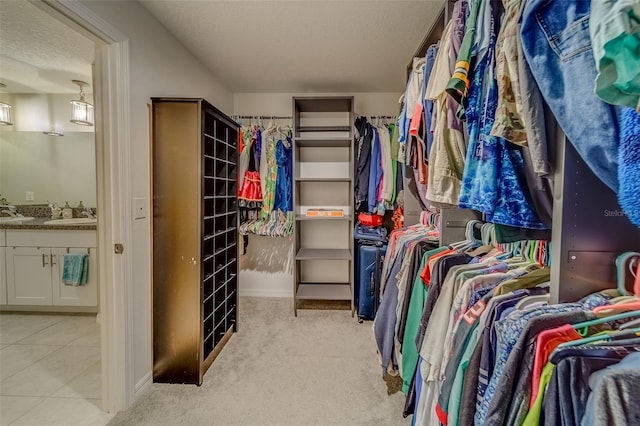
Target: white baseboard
[253, 292]
[143, 385]
[265, 284]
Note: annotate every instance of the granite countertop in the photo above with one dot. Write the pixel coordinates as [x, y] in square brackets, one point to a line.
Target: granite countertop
[38, 223]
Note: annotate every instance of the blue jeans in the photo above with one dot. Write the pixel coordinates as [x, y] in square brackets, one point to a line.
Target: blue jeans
[557, 46]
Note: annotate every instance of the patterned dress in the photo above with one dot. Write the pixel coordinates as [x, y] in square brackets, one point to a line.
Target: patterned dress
[269, 195]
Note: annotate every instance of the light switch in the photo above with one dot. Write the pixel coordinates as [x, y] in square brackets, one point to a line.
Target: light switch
[29, 196]
[139, 208]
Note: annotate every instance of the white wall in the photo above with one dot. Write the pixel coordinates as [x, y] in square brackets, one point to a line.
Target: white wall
[159, 66]
[266, 267]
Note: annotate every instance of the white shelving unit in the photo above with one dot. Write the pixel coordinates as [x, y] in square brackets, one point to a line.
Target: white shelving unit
[323, 178]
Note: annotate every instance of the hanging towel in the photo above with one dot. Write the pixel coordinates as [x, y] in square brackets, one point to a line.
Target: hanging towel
[75, 269]
[629, 165]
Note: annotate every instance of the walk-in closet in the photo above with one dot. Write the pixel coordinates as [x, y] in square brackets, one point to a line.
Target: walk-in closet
[419, 212]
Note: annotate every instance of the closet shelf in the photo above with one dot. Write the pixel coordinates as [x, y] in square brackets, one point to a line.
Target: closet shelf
[323, 254]
[324, 291]
[324, 129]
[308, 142]
[323, 179]
[305, 217]
[208, 136]
[224, 214]
[323, 104]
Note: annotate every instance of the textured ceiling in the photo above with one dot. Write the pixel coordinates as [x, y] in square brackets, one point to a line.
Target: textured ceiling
[301, 45]
[39, 54]
[251, 46]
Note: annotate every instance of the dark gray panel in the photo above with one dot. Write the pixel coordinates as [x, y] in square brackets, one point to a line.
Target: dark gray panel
[454, 224]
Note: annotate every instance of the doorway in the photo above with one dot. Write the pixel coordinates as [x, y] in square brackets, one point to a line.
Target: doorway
[50, 360]
[111, 105]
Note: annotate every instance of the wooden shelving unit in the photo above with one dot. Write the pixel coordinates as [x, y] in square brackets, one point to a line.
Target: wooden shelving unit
[323, 178]
[195, 248]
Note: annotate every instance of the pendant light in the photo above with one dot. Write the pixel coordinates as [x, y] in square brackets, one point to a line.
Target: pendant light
[81, 111]
[5, 112]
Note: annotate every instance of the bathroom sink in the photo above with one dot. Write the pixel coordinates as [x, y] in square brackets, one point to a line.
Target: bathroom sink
[74, 221]
[15, 219]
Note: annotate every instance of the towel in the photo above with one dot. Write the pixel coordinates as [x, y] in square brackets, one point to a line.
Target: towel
[75, 269]
[629, 165]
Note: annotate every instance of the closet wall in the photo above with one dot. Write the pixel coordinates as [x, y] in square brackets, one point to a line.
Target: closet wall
[265, 270]
[158, 66]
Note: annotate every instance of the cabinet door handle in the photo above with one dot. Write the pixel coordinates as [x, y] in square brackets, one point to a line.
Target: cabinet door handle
[44, 261]
[53, 257]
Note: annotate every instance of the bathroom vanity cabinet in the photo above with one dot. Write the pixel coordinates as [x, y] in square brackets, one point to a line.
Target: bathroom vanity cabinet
[33, 260]
[3, 274]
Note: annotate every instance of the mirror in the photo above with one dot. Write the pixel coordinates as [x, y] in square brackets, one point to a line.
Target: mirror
[35, 167]
[37, 73]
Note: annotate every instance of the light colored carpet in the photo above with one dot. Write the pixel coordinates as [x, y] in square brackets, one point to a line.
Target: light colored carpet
[320, 368]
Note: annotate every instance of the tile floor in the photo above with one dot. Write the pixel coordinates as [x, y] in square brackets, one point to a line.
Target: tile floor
[50, 371]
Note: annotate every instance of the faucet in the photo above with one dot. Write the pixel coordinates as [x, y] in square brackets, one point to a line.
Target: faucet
[88, 213]
[55, 210]
[11, 211]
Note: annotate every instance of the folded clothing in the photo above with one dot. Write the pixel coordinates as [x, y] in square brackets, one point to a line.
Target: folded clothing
[75, 269]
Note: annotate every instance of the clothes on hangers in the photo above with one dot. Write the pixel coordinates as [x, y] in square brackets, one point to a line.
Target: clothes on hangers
[249, 190]
[572, 100]
[376, 174]
[461, 333]
[478, 331]
[265, 194]
[284, 160]
[614, 28]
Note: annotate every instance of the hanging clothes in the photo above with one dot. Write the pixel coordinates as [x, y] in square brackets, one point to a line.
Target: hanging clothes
[494, 351]
[363, 137]
[267, 213]
[572, 100]
[375, 171]
[284, 193]
[250, 191]
[376, 174]
[269, 175]
[614, 28]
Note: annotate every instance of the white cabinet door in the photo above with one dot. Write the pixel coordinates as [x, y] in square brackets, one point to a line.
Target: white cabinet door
[67, 295]
[28, 276]
[3, 276]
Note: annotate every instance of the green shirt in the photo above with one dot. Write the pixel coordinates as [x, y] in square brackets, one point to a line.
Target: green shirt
[459, 83]
[453, 410]
[414, 315]
[533, 416]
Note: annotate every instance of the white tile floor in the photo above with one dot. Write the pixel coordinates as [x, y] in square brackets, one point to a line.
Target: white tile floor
[50, 371]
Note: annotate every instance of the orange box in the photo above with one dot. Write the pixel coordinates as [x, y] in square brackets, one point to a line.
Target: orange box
[325, 213]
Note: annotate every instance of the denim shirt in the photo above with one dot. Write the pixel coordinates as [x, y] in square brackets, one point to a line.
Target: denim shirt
[557, 46]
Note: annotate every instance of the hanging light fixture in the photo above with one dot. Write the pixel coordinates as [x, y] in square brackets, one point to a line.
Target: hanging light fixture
[5, 111]
[81, 111]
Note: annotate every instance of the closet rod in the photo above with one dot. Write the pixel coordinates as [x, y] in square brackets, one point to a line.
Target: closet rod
[273, 117]
[377, 116]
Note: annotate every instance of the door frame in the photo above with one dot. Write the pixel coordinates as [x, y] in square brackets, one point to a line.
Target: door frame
[114, 194]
